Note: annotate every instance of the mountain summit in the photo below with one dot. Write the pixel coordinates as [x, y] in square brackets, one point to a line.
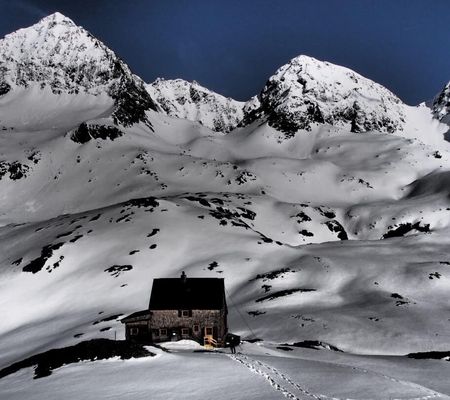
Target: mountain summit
[57, 55]
[307, 91]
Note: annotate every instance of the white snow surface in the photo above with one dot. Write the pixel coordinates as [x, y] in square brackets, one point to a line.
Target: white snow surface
[257, 372]
[85, 225]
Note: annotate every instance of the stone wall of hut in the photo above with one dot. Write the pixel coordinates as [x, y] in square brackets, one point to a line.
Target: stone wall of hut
[168, 325]
[138, 331]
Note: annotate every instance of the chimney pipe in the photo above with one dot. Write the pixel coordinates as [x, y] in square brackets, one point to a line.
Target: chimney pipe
[183, 277]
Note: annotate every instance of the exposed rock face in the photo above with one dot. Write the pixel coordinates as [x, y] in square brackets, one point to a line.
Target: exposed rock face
[441, 105]
[57, 54]
[85, 132]
[4, 88]
[189, 100]
[15, 169]
[307, 91]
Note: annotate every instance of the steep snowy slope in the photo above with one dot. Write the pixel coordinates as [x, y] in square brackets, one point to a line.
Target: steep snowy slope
[57, 69]
[191, 101]
[322, 231]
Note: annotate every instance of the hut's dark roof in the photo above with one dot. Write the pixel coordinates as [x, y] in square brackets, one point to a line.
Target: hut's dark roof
[191, 293]
[137, 316]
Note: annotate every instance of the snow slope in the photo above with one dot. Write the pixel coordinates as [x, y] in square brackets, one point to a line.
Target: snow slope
[322, 231]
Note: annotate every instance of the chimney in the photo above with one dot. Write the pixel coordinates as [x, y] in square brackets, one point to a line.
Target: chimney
[183, 277]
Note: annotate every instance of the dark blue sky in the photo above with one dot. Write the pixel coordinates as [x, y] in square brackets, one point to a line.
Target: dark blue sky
[233, 46]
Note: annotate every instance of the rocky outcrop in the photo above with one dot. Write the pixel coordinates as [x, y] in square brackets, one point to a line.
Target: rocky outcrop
[441, 105]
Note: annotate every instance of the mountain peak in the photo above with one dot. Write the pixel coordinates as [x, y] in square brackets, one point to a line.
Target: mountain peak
[306, 91]
[305, 59]
[56, 18]
[58, 55]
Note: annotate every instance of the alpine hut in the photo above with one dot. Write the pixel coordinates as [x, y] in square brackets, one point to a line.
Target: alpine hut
[182, 308]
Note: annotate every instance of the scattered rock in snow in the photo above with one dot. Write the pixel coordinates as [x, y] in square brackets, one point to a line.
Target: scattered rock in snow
[37, 264]
[17, 262]
[403, 229]
[283, 293]
[316, 345]
[117, 270]
[213, 265]
[279, 273]
[256, 313]
[85, 132]
[153, 232]
[335, 226]
[106, 319]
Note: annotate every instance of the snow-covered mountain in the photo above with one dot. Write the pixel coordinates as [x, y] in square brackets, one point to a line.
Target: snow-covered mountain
[64, 64]
[326, 210]
[191, 101]
[307, 91]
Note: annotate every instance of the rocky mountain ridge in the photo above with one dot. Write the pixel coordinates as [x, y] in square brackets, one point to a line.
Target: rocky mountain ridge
[58, 55]
[303, 93]
[191, 101]
[441, 105]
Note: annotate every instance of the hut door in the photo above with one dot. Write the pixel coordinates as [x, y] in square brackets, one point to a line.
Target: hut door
[209, 340]
[209, 332]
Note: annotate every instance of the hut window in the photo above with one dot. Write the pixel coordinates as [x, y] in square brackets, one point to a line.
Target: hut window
[208, 331]
[185, 331]
[163, 332]
[134, 331]
[156, 332]
[185, 313]
[196, 328]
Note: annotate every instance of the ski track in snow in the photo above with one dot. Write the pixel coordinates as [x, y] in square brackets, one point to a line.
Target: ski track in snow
[277, 379]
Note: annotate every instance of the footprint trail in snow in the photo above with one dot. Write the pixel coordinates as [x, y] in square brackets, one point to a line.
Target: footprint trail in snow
[292, 390]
